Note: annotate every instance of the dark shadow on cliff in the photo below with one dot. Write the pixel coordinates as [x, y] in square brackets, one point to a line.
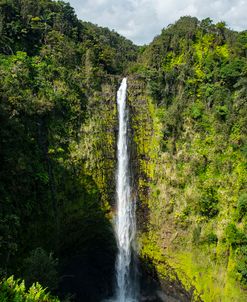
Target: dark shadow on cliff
[87, 251]
[155, 289]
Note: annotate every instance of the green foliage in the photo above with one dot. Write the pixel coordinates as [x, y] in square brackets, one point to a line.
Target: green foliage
[41, 267]
[211, 238]
[242, 206]
[15, 290]
[234, 236]
[57, 78]
[196, 77]
[196, 235]
[9, 230]
[241, 266]
[32, 27]
[222, 111]
[57, 89]
[231, 71]
[197, 110]
[208, 203]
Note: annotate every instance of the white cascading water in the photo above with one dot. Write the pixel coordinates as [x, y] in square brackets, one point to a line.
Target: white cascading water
[126, 290]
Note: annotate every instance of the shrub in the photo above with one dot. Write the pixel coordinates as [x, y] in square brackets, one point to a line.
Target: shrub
[221, 111]
[242, 206]
[208, 204]
[197, 110]
[241, 266]
[234, 236]
[41, 267]
[211, 238]
[15, 290]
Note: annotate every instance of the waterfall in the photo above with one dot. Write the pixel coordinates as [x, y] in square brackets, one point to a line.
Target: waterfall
[126, 290]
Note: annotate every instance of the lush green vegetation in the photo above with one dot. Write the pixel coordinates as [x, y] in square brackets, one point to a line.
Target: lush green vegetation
[187, 98]
[56, 84]
[15, 290]
[196, 78]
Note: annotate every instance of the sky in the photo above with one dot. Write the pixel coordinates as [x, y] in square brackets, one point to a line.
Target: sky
[142, 20]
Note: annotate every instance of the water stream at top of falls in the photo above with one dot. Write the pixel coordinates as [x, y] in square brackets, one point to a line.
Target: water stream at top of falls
[126, 285]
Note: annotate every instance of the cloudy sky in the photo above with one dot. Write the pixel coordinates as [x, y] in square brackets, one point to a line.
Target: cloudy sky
[141, 20]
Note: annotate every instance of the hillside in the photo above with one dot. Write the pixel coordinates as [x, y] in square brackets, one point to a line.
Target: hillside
[195, 167]
[187, 95]
[58, 79]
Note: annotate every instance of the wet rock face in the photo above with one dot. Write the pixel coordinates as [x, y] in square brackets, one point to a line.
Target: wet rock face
[154, 286]
[153, 289]
[165, 294]
[160, 296]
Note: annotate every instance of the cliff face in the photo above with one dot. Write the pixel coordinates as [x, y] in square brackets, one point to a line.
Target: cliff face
[159, 281]
[190, 129]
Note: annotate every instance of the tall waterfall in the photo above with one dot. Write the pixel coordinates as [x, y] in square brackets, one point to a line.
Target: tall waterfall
[126, 290]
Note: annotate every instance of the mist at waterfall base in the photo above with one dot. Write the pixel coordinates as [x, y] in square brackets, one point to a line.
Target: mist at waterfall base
[126, 288]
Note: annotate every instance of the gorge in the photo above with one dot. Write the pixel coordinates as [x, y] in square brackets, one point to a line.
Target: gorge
[184, 169]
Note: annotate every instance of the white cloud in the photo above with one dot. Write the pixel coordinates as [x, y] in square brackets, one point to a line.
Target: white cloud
[141, 20]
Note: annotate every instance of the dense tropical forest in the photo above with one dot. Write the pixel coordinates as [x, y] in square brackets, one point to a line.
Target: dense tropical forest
[187, 97]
